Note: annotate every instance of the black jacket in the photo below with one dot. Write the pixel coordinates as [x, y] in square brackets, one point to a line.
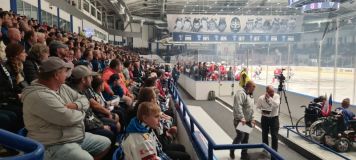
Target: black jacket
[8, 87]
[30, 69]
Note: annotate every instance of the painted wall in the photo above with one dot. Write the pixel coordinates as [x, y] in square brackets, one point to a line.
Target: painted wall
[143, 41]
[46, 6]
[77, 23]
[64, 15]
[5, 5]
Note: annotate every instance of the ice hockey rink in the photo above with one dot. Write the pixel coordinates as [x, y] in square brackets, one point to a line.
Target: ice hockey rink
[304, 80]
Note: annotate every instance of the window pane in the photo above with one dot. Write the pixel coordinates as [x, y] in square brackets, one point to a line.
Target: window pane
[99, 16]
[93, 11]
[86, 6]
[68, 26]
[49, 19]
[27, 9]
[44, 17]
[34, 12]
[78, 4]
[54, 20]
[19, 7]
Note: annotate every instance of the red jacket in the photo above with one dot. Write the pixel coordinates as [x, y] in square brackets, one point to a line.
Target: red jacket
[107, 73]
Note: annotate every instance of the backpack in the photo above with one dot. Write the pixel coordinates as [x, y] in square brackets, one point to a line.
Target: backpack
[211, 96]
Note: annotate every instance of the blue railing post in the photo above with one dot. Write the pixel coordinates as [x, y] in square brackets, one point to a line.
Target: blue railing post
[211, 146]
[210, 151]
[191, 125]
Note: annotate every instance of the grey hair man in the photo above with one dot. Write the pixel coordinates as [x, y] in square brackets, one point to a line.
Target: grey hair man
[53, 115]
[243, 113]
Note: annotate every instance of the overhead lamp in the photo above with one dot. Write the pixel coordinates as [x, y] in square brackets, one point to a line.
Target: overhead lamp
[122, 9]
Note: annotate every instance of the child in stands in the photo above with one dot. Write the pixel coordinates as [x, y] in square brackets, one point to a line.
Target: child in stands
[141, 143]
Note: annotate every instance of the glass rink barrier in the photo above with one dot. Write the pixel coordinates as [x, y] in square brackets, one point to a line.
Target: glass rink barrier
[203, 144]
[29, 149]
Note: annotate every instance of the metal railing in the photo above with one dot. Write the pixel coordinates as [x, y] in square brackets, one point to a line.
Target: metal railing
[32, 149]
[190, 123]
[309, 139]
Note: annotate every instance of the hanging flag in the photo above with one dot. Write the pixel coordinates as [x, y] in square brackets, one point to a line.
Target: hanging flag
[326, 110]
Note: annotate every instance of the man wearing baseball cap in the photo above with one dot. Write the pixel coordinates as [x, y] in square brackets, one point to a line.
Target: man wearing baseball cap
[98, 120]
[58, 49]
[53, 115]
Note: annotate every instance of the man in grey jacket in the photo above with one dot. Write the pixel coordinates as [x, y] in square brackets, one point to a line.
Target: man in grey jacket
[53, 115]
[243, 113]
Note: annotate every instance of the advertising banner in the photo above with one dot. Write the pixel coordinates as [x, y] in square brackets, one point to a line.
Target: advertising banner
[235, 28]
[234, 23]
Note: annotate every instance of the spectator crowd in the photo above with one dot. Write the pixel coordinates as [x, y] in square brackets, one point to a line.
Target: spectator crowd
[81, 98]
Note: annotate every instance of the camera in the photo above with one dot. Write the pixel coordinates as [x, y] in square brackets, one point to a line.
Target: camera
[281, 79]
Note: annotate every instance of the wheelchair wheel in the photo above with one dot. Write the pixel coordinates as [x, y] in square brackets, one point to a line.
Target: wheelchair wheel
[316, 131]
[300, 127]
[343, 145]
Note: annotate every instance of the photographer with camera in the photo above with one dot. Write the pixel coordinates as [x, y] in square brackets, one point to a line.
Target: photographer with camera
[268, 104]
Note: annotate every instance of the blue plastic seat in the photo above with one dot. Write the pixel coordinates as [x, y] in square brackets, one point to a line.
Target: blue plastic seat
[32, 149]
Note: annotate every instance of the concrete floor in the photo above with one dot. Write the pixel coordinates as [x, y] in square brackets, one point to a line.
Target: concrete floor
[223, 117]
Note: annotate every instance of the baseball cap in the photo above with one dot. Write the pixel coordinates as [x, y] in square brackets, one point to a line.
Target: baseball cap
[53, 63]
[56, 44]
[82, 71]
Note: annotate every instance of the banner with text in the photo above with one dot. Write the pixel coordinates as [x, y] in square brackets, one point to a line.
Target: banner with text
[234, 23]
[234, 28]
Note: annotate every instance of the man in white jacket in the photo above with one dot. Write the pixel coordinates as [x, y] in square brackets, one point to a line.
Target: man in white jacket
[53, 115]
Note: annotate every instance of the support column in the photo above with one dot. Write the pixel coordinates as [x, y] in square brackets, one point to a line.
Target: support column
[336, 56]
[58, 18]
[71, 23]
[319, 64]
[39, 11]
[13, 6]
